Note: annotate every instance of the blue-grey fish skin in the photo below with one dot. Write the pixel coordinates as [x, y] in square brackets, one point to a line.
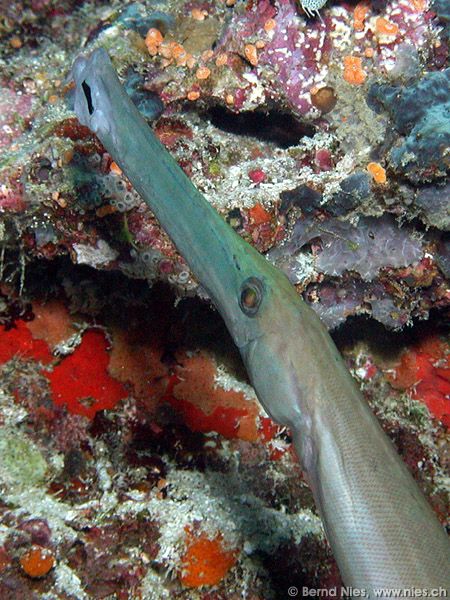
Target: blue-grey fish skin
[382, 531]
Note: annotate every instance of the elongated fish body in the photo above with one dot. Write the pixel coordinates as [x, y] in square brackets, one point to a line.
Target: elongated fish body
[381, 529]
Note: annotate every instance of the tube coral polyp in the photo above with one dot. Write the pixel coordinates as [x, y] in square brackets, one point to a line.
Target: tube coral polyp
[270, 25]
[170, 51]
[251, 54]
[359, 14]
[418, 5]
[153, 40]
[202, 73]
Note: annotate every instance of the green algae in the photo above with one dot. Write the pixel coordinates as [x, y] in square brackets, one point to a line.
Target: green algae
[22, 465]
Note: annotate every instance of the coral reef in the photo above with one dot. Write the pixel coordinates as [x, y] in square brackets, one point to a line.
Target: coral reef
[133, 447]
[217, 70]
[178, 484]
[182, 484]
[121, 496]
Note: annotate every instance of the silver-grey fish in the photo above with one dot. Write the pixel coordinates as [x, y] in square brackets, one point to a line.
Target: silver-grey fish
[381, 529]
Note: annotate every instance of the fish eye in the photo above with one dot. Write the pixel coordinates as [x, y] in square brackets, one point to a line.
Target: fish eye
[251, 296]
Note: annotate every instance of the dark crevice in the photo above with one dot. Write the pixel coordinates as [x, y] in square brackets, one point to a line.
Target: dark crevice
[385, 342]
[378, 6]
[276, 127]
[116, 299]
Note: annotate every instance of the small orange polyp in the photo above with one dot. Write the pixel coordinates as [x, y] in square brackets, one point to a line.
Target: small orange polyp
[361, 11]
[251, 54]
[193, 95]
[385, 27]
[222, 59]
[359, 14]
[177, 50]
[269, 25]
[378, 172]
[229, 99]
[353, 71]
[419, 5]
[153, 40]
[203, 73]
[198, 14]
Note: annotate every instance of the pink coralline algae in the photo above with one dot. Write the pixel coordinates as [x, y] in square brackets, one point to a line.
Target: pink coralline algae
[294, 56]
[11, 197]
[15, 109]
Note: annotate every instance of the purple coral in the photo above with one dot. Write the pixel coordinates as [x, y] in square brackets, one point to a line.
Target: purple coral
[334, 303]
[373, 244]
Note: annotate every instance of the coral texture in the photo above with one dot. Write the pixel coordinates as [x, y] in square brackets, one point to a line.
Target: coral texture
[371, 245]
